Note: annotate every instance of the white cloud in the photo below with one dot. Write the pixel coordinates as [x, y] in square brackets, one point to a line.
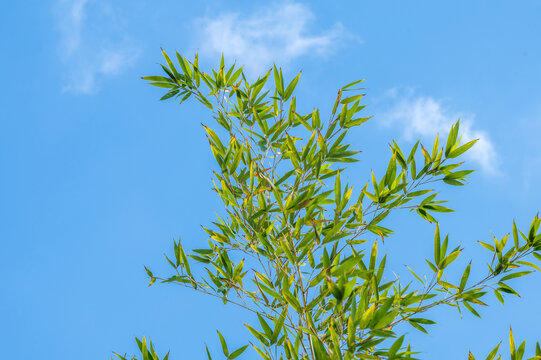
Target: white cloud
[92, 44]
[71, 24]
[424, 116]
[277, 34]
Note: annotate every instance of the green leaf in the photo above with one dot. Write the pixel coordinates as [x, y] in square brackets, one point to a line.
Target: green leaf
[375, 185]
[234, 77]
[266, 328]
[184, 65]
[224, 344]
[337, 189]
[396, 346]
[493, 353]
[437, 208]
[351, 99]
[416, 276]
[422, 321]
[515, 275]
[418, 193]
[515, 235]
[238, 352]
[373, 256]
[170, 64]
[529, 264]
[291, 87]
[352, 84]
[144, 349]
[520, 351]
[159, 79]
[185, 97]
[357, 122]
[465, 277]
[449, 259]
[487, 246]
[471, 309]
[451, 139]
[437, 245]
[279, 82]
[418, 327]
[278, 326]
[163, 85]
[462, 149]
[261, 353]
[432, 266]
[149, 273]
[169, 95]
[512, 343]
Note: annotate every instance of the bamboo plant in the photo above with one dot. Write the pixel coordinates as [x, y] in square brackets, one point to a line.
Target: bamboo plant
[299, 247]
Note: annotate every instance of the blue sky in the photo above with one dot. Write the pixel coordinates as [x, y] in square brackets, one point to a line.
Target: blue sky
[97, 176]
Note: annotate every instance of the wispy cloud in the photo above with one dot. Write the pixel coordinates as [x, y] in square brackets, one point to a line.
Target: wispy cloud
[92, 44]
[278, 34]
[423, 116]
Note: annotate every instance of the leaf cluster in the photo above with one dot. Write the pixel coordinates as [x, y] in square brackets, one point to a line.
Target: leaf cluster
[298, 246]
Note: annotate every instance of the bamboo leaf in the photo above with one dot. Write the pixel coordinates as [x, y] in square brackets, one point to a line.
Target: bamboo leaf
[235, 354]
[462, 149]
[224, 344]
[465, 277]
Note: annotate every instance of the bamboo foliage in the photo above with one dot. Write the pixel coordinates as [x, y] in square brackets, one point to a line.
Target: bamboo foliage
[291, 245]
